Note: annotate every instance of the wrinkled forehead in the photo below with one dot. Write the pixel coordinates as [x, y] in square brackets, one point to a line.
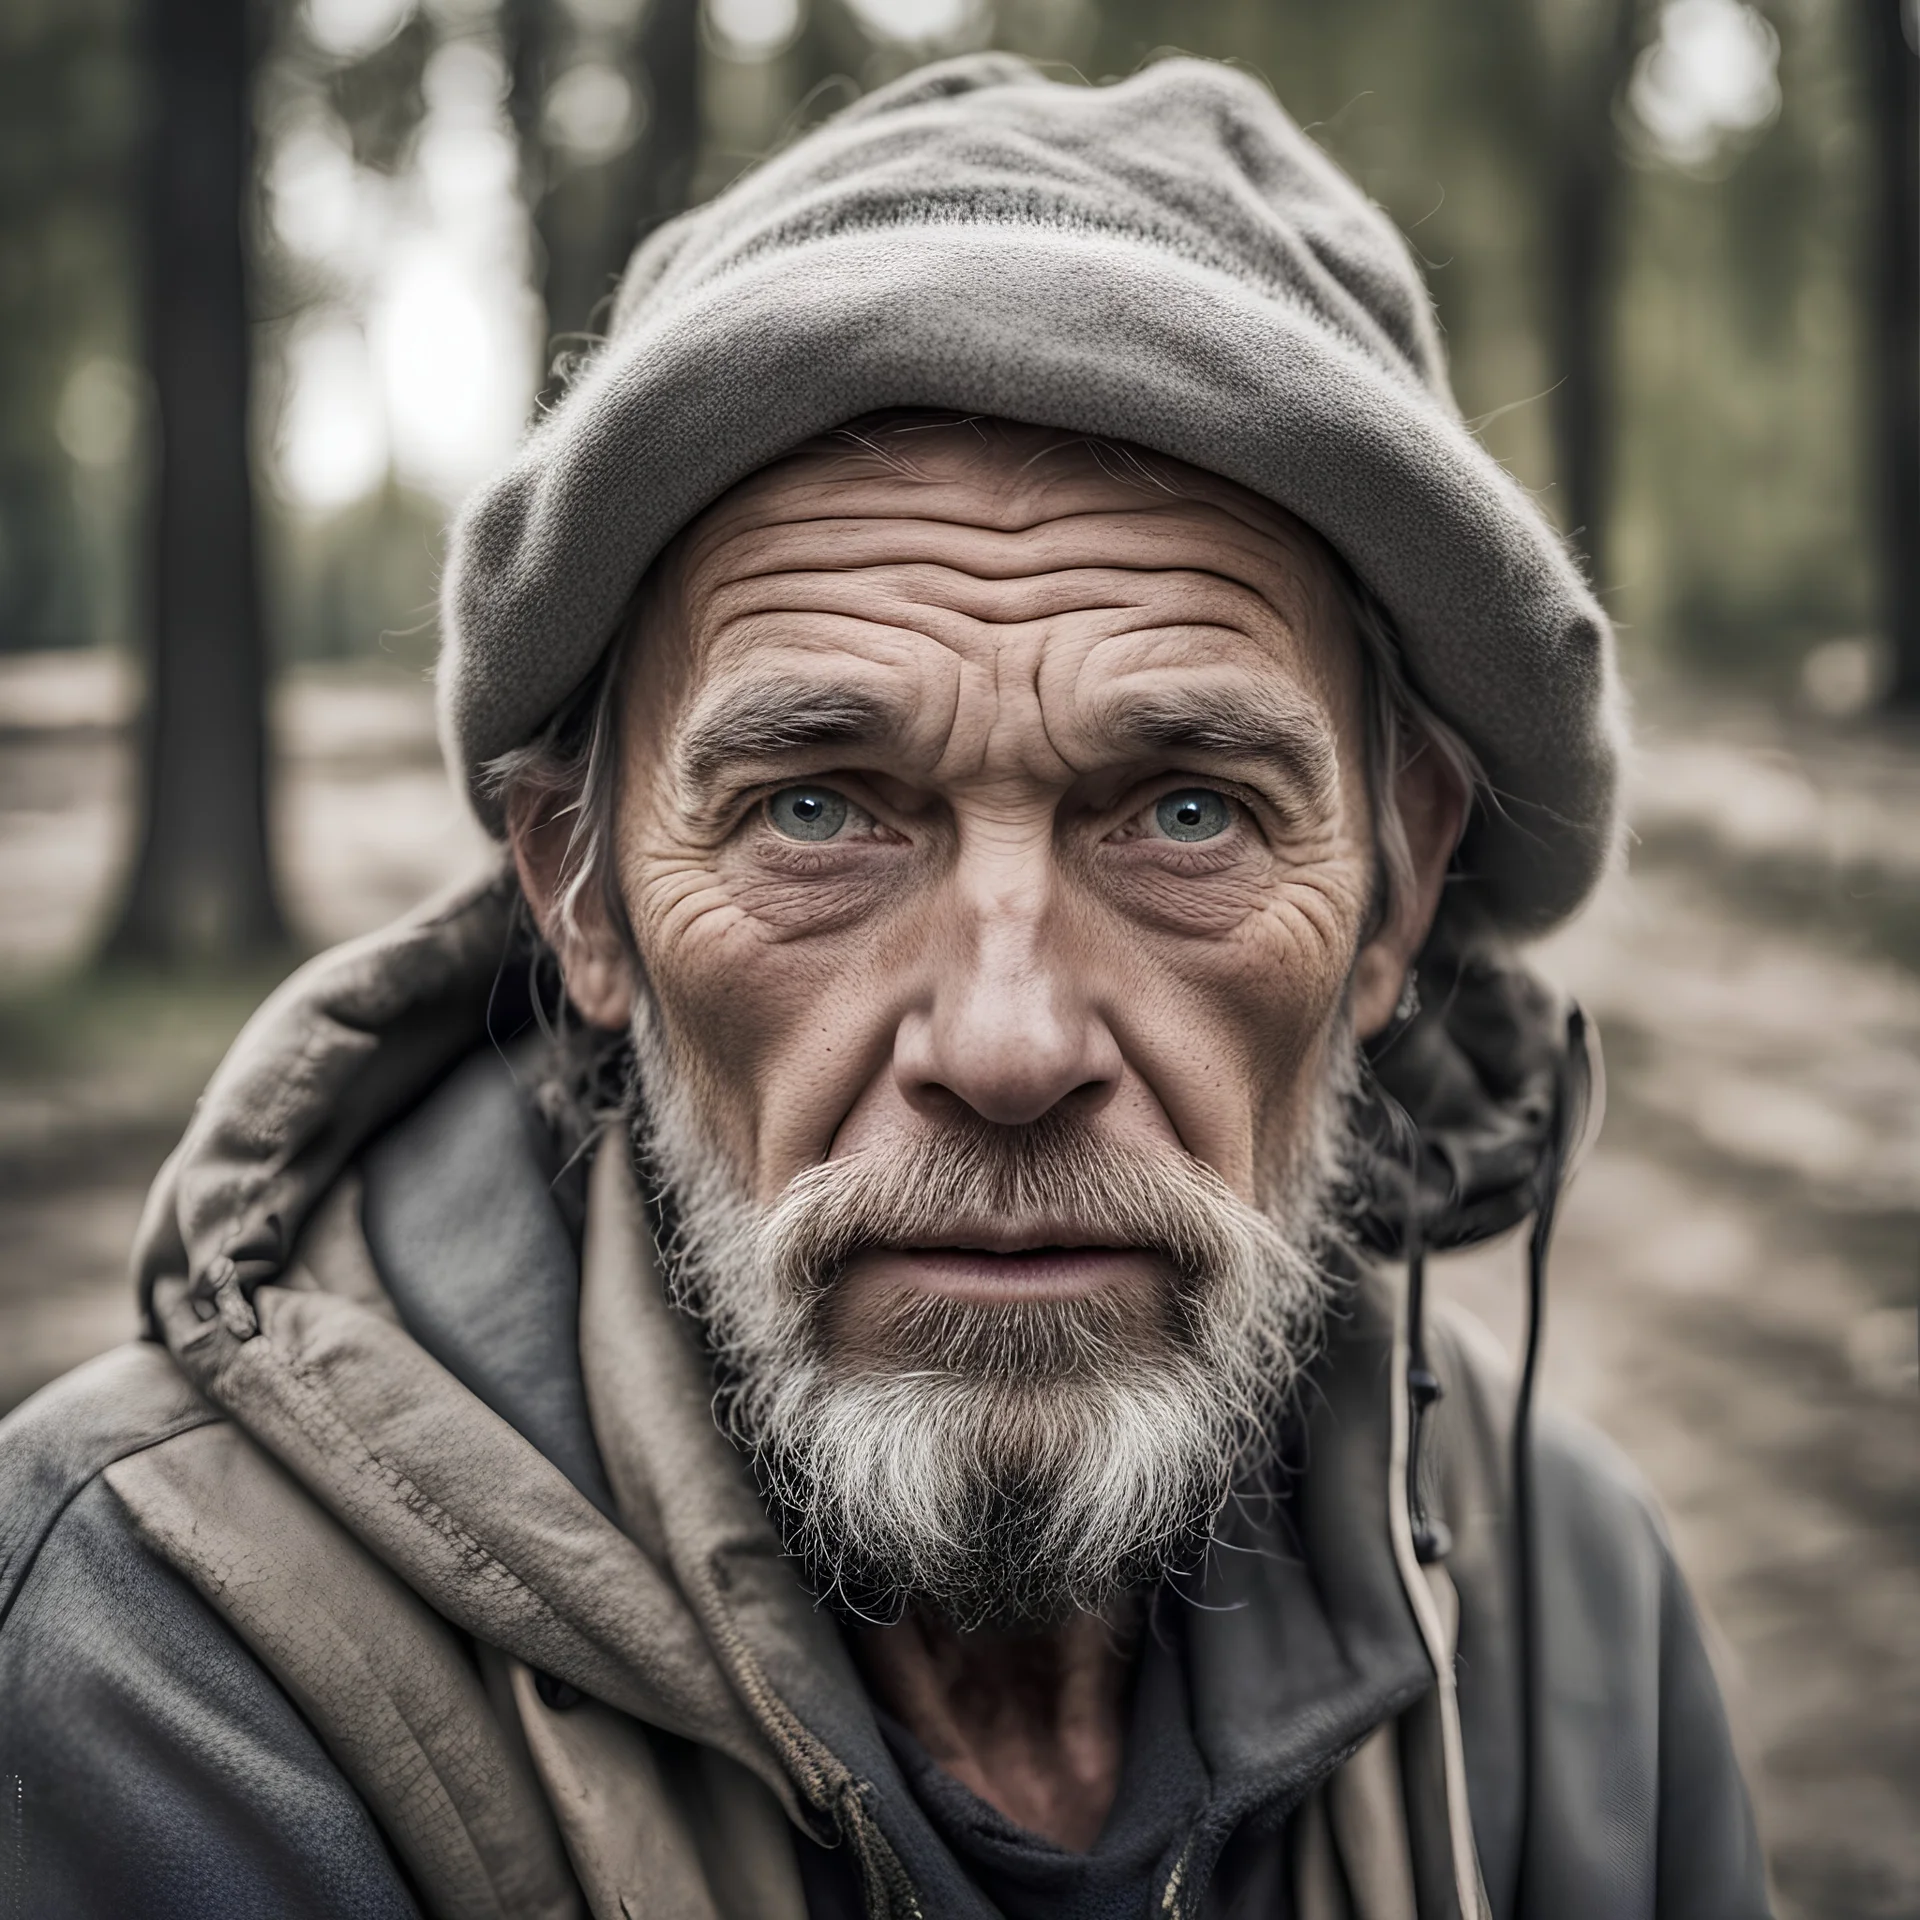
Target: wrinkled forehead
[967, 597]
[1002, 499]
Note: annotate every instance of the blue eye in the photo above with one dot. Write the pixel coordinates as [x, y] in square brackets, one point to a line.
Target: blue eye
[807, 813]
[1195, 813]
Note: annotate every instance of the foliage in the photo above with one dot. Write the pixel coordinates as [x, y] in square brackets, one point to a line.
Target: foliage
[1735, 504]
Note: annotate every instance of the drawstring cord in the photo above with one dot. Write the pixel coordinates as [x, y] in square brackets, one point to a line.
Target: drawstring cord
[1566, 1124]
[1571, 1091]
[1431, 1539]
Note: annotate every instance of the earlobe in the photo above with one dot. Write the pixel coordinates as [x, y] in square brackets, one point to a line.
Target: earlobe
[1380, 974]
[599, 984]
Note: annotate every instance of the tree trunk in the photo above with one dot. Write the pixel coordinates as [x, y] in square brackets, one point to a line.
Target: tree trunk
[1893, 392]
[202, 886]
[527, 28]
[588, 219]
[1582, 209]
[670, 52]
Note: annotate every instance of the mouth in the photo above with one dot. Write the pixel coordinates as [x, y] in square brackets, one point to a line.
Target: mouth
[996, 1275]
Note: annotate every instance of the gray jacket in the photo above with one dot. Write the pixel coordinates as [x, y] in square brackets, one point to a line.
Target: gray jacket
[404, 1570]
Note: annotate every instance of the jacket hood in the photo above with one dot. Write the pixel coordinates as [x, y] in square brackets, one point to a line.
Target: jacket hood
[1168, 261]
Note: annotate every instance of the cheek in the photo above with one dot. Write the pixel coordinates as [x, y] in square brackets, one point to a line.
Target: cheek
[776, 1032]
[1231, 1033]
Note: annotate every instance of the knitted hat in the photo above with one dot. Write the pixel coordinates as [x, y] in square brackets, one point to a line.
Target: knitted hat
[1168, 261]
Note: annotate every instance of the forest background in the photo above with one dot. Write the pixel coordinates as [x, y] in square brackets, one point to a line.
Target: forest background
[1651, 232]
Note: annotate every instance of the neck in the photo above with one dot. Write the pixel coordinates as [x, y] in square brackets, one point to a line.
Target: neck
[1033, 1723]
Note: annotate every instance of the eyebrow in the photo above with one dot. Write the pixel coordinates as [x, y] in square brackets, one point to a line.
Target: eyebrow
[774, 718]
[1230, 724]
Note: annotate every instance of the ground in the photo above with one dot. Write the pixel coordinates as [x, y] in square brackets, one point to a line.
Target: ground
[1734, 1285]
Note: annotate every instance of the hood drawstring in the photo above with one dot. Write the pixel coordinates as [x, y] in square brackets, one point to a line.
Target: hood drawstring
[1432, 1541]
[1572, 1093]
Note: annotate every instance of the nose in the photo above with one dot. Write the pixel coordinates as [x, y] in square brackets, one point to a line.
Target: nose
[1011, 1028]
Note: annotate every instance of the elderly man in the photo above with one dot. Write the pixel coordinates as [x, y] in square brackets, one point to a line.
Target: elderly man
[846, 1337]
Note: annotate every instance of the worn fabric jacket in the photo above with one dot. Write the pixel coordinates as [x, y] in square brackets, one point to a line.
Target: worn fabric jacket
[403, 1570]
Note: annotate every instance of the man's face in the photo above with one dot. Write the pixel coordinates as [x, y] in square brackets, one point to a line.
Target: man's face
[995, 842]
[1003, 790]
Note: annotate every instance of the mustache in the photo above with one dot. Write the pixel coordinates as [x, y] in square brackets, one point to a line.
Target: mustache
[1007, 1459]
[1056, 1181]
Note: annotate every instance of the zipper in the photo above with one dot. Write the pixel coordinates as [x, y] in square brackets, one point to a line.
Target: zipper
[823, 1780]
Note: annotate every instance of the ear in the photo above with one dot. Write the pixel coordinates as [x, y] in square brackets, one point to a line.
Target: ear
[595, 958]
[1433, 810]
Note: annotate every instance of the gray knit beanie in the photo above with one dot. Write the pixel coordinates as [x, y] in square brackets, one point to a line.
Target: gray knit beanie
[1168, 261]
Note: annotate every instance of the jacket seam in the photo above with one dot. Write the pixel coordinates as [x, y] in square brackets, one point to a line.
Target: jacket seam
[401, 1488]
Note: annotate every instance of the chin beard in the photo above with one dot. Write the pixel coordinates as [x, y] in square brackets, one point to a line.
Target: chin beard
[1009, 1464]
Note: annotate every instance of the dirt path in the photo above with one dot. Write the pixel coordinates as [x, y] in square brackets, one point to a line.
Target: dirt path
[1735, 1283]
[1733, 1301]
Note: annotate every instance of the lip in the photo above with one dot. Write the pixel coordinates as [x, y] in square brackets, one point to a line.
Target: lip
[1059, 1234]
[989, 1275]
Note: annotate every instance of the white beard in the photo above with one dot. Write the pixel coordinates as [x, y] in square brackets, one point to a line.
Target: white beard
[998, 1465]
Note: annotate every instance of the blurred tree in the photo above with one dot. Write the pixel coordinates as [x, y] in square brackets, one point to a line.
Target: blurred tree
[597, 185]
[70, 406]
[1581, 178]
[531, 35]
[202, 884]
[670, 58]
[1893, 387]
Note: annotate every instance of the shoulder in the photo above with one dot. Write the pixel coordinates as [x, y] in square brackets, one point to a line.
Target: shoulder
[1604, 1553]
[151, 1764]
[65, 1436]
[1593, 1496]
